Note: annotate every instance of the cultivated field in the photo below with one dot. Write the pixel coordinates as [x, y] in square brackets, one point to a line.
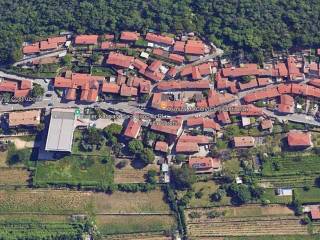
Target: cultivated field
[109, 225]
[13, 177]
[137, 236]
[287, 181]
[128, 174]
[252, 220]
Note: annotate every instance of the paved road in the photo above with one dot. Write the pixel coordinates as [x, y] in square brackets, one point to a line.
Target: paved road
[45, 55]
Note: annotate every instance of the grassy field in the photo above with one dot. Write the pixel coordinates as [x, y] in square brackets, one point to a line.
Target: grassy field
[73, 170]
[20, 157]
[291, 165]
[129, 174]
[13, 176]
[269, 194]
[232, 166]
[207, 188]
[310, 196]
[134, 224]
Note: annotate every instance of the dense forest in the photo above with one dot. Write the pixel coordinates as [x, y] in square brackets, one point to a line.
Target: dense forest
[251, 26]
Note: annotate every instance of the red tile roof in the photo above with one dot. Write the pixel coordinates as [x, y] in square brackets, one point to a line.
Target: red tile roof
[161, 146]
[120, 60]
[176, 58]
[246, 70]
[140, 65]
[179, 46]
[251, 110]
[132, 129]
[205, 68]
[172, 126]
[108, 36]
[195, 73]
[224, 117]
[86, 39]
[177, 85]
[266, 124]
[194, 47]
[71, 94]
[31, 49]
[315, 82]
[264, 81]
[194, 121]
[8, 86]
[158, 51]
[186, 147]
[211, 124]
[299, 139]
[199, 139]
[172, 72]
[25, 84]
[155, 66]
[151, 37]
[129, 36]
[204, 164]
[128, 91]
[315, 211]
[252, 84]
[216, 99]
[21, 93]
[243, 141]
[110, 88]
[58, 39]
[45, 45]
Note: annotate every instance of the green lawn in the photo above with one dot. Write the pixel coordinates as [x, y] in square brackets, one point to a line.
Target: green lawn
[291, 165]
[102, 71]
[269, 194]
[74, 170]
[310, 196]
[232, 166]
[20, 157]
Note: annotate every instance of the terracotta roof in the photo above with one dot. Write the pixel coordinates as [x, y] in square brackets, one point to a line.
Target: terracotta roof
[195, 73]
[108, 36]
[32, 48]
[155, 76]
[251, 110]
[205, 68]
[107, 45]
[179, 46]
[281, 70]
[128, 91]
[224, 117]
[172, 126]
[62, 82]
[299, 139]
[132, 129]
[161, 146]
[58, 39]
[202, 103]
[176, 58]
[194, 121]
[216, 99]
[199, 139]
[243, 141]
[158, 51]
[129, 36]
[266, 124]
[211, 124]
[252, 84]
[25, 84]
[186, 70]
[71, 94]
[110, 88]
[315, 212]
[315, 82]
[8, 86]
[186, 147]
[194, 47]
[204, 164]
[151, 37]
[86, 39]
[140, 65]
[120, 60]
[31, 117]
[264, 81]
[21, 93]
[172, 72]
[45, 45]
[155, 66]
[176, 85]
[246, 70]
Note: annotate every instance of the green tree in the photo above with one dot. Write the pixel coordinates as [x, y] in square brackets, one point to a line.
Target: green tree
[183, 178]
[135, 146]
[37, 91]
[146, 156]
[151, 176]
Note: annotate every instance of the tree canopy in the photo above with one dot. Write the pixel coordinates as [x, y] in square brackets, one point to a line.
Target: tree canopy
[248, 26]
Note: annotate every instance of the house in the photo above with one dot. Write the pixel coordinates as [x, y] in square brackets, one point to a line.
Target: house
[18, 89]
[129, 36]
[120, 60]
[24, 118]
[224, 117]
[132, 129]
[172, 126]
[298, 139]
[161, 146]
[243, 142]
[183, 85]
[86, 40]
[31, 49]
[266, 124]
[187, 147]
[315, 213]
[286, 104]
[194, 47]
[205, 164]
[159, 39]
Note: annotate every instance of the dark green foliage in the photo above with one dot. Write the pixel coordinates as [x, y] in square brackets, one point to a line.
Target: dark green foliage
[240, 193]
[183, 178]
[252, 27]
[151, 176]
[135, 146]
[146, 156]
[37, 91]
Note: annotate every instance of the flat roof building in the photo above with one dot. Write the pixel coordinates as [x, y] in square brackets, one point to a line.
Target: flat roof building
[26, 118]
[61, 128]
